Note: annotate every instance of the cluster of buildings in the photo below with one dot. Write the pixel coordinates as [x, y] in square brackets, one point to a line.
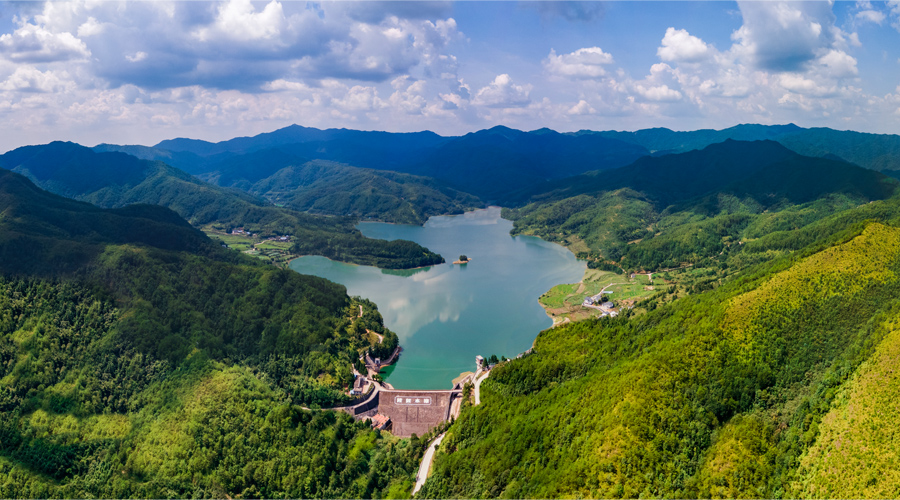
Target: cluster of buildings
[596, 302]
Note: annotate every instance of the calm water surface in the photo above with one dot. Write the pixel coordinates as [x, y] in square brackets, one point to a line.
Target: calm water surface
[447, 314]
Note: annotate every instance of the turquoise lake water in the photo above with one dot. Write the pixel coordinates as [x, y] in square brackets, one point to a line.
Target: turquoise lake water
[445, 315]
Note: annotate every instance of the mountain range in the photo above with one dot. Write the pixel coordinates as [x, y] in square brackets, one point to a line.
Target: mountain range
[140, 358]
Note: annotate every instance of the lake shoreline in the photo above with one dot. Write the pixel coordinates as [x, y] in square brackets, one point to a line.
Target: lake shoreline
[445, 317]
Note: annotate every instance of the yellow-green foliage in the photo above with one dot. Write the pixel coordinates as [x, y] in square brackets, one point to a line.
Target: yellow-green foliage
[673, 403]
[841, 271]
[740, 459]
[857, 453]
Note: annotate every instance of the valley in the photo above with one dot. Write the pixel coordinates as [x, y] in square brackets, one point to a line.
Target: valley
[708, 322]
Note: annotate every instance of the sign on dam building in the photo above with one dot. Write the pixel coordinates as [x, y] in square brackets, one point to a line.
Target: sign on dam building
[410, 412]
[416, 412]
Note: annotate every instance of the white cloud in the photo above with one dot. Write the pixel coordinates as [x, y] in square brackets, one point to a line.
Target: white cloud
[90, 28]
[582, 108]
[237, 20]
[681, 46]
[30, 79]
[894, 6]
[839, 64]
[659, 93]
[137, 56]
[503, 93]
[872, 16]
[33, 44]
[583, 63]
[782, 36]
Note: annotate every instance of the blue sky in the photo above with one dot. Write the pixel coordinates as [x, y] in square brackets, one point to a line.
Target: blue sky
[138, 72]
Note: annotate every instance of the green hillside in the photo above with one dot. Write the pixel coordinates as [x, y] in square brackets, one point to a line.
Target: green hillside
[115, 179]
[856, 453]
[698, 207]
[721, 394]
[333, 189]
[139, 359]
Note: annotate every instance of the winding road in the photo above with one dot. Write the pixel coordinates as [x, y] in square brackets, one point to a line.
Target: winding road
[425, 466]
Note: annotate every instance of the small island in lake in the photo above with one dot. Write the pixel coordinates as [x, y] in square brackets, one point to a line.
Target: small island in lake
[462, 260]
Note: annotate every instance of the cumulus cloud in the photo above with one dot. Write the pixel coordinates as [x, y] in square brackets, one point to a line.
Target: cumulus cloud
[583, 63]
[681, 46]
[30, 79]
[34, 44]
[91, 27]
[238, 20]
[503, 93]
[235, 44]
[582, 108]
[659, 93]
[782, 36]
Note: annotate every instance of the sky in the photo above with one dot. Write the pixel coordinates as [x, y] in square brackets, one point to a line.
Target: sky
[96, 71]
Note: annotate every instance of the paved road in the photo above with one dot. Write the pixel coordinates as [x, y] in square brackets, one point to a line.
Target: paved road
[478, 387]
[425, 466]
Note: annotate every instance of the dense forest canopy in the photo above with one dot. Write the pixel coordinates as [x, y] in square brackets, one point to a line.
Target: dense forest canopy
[140, 359]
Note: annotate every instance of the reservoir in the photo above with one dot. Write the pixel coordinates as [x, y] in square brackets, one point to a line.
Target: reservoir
[445, 315]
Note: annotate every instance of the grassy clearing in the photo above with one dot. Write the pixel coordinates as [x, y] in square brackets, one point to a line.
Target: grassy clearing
[564, 301]
[272, 251]
[559, 296]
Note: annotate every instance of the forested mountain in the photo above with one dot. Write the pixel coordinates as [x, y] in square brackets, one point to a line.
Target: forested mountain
[488, 164]
[495, 164]
[685, 208]
[140, 359]
[116, 179]
[331, 188]
[776, 384]
[500, 163]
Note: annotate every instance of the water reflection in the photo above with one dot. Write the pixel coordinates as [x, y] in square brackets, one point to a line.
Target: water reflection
[446, 314]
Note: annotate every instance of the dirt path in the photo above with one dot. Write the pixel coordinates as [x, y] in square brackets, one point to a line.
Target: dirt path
[425, 466]
[380, 337]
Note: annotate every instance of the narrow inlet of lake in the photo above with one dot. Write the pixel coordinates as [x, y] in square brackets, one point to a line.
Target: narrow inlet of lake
[445, 315]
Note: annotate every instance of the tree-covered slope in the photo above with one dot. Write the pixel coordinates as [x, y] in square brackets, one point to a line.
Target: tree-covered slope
[721, 394]
[334, 189]
[139, 359]
[856, 451]
[695, 206]
[116, 179]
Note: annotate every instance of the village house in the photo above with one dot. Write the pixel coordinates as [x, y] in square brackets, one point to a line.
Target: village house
[359, 385]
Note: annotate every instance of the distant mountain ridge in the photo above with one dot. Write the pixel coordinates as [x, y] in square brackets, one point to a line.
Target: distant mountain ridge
[497, 162]
[872, 151]
[487, 163]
